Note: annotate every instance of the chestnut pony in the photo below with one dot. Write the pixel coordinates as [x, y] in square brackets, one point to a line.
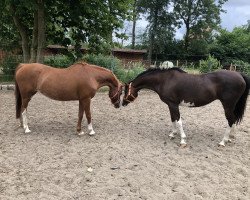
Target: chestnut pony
[79, 82]
[177, 88]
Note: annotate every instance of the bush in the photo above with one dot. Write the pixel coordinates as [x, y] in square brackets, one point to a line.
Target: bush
[241, 65]
[209, 65]
[59, 61]
[115, 65]
[8, 66]
[135, 68]
[108, 62]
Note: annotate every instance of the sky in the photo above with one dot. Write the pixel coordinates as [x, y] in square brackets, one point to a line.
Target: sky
[237, 14]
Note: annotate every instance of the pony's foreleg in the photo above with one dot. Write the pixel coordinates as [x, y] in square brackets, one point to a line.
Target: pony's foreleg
[80, 116]
[174, 131]
[183, 135]
[177, 123]
[88, 116]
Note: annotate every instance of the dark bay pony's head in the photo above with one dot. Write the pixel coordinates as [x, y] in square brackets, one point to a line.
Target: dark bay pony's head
[130, 94]
[115, 95]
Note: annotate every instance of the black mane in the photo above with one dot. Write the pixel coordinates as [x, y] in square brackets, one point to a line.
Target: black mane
[158, 70]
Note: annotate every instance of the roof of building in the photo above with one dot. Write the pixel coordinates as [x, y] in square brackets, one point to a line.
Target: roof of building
[136, 51]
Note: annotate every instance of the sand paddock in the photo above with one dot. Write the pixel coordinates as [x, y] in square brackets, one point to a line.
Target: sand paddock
[130, 157]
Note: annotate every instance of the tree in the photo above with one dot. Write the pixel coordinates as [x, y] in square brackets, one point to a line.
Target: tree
[200, 17]
[73, 22]
[232, 45]
[160, 23]
[31, 50]
[135, 14]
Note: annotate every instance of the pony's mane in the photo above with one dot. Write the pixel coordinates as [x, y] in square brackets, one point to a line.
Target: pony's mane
[83, 63]
[158, 70]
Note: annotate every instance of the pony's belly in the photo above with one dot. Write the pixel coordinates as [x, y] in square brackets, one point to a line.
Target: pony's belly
[187, 104]
[195, 103]
[59, 95]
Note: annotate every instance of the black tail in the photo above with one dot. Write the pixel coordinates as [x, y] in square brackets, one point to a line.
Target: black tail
[241, 104]
[18, 98]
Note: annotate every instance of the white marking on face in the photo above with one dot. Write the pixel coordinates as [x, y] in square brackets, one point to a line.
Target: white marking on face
[187, 104]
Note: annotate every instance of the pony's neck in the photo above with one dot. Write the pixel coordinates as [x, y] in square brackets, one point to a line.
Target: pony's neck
[150, 82]
[107, 79]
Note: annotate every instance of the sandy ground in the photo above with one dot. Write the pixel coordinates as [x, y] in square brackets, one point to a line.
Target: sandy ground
[130, 157]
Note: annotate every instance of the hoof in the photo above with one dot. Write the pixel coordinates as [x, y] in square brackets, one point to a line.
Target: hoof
[80, 133]
[232, 136]
[18, 127]
[221, 144]
[27, 131]
[171, 137]
[92, 132]
[183, 145]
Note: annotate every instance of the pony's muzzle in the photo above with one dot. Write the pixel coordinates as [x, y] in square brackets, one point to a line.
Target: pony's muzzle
[117, 105]
[124, 102]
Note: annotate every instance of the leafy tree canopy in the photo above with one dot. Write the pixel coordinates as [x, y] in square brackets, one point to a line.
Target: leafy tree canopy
[67, 22]
[232, 45]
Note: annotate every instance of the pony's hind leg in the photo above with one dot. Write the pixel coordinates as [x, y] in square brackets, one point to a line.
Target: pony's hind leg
[228, 133]
[231, 125]
[232, 132]
[86, 106]
[24, 119]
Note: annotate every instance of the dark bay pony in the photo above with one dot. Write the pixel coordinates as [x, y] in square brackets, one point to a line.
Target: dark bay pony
[178, 88]
[77, 82]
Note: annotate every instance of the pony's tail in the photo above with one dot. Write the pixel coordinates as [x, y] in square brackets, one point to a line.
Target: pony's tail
[18, 97]
[241, 104]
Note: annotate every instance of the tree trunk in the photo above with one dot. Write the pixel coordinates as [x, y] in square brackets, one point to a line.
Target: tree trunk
[134, 24]
[110, 37]
[152, 35]
[186, 40]
[187, 23]
[41, 31]
[33, 48]
[133, 33]
[110, 33]
[23, 33]
[150, 49]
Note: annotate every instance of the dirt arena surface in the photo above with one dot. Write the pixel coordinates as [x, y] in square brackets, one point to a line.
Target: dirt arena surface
[130, 157]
